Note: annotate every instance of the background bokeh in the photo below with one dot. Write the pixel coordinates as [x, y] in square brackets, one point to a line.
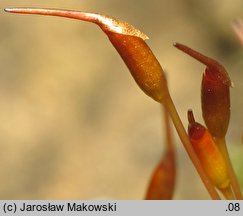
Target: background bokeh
[73, 123]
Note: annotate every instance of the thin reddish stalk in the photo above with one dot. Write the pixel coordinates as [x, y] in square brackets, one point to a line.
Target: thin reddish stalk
[162, 182]
[169, 138]
[187, 144]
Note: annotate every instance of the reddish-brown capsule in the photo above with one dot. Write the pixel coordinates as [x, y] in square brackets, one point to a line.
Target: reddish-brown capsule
[162, 183]
[215, 93]
[142, 64]
[128, 41]
[208, 153]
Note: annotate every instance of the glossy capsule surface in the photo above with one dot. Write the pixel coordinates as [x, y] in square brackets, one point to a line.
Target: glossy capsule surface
[215, 93]
[208, 153]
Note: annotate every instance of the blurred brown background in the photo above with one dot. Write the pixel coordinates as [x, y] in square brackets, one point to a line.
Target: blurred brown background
[74, 125]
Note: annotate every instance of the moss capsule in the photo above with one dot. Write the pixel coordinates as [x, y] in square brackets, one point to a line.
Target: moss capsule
[162, 183]
[208, 153]
[128, 41]
[215, 93]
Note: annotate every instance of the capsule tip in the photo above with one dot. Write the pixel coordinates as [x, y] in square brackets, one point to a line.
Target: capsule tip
[179, 46]
[190, 117]
[12, 10]
[7, 9]
[182, 47]
[175, 44]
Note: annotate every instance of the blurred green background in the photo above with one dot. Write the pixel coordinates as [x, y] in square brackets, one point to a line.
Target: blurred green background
[74, 125]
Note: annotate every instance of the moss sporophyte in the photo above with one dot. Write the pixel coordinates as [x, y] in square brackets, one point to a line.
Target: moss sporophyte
[206, 147]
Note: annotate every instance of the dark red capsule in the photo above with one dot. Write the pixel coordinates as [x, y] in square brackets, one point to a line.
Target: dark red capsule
[215, 93]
